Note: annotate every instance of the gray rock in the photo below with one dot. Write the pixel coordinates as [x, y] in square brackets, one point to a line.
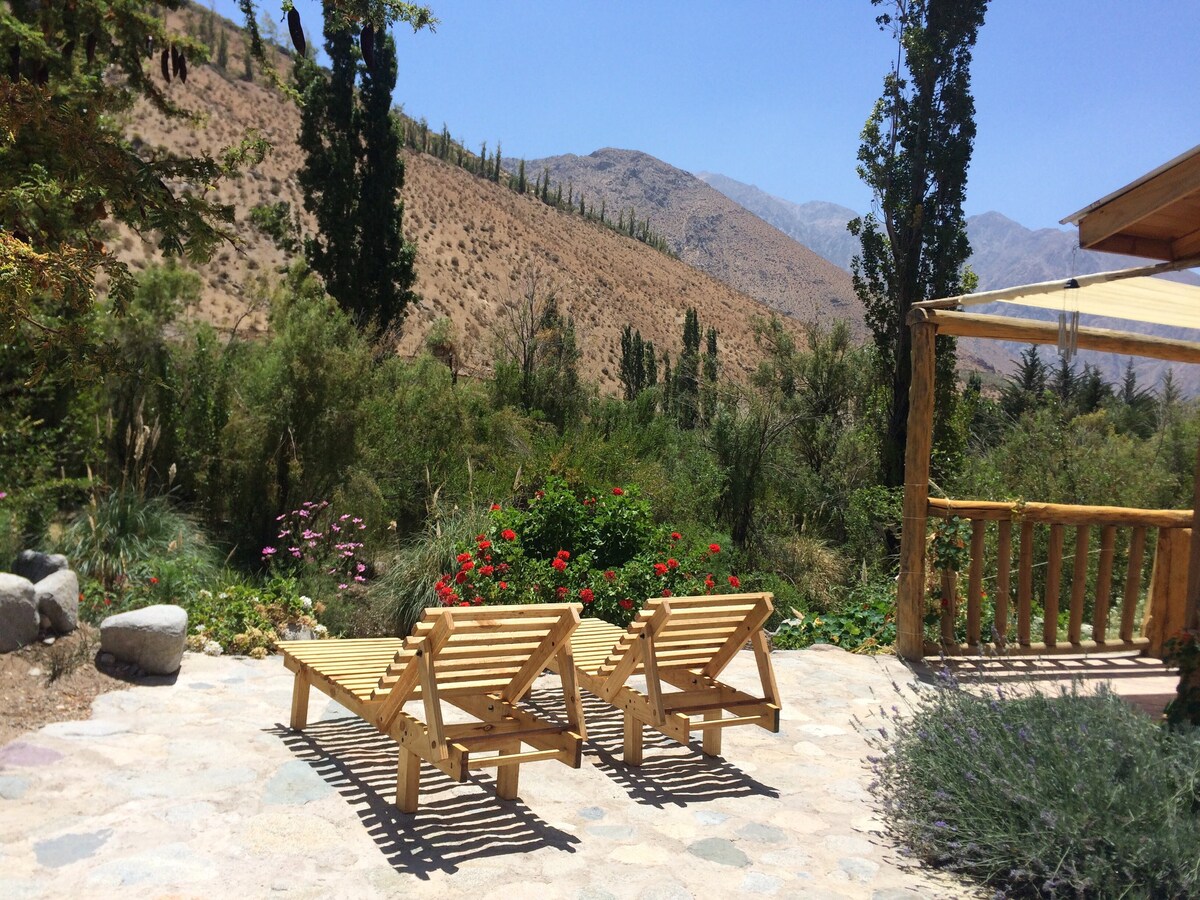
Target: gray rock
[720, 851]
[152, 638]
[36, 566]
[57, 597]
[70, 848]
[291, 631]
[18, 612]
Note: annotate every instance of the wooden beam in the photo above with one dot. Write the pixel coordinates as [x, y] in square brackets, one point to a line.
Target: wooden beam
[1136, 245]
[1061, 513]
[1186, 245]
[1030, 331]
[910, 596]
[1138, 203]
[1191, 610]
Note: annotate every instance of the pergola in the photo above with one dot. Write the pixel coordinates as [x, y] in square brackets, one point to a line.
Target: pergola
[1156, 217]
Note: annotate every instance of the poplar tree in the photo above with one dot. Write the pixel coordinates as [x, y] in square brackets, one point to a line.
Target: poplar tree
[916, 147]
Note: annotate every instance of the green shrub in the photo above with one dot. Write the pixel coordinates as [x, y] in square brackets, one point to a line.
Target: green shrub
[1056, 796]
[247, 618]
[864, 622]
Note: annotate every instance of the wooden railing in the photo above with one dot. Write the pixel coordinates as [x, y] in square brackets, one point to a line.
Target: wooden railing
[1167, 589]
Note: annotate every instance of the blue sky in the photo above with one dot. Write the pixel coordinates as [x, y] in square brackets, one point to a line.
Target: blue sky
[1074, 98]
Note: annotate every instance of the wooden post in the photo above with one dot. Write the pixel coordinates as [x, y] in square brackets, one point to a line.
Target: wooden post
[300, 699]
[633, 740]
[507, 776]
[408, 780]
[1191, 616]
[975, 582]
[712, 736]
[910, 596]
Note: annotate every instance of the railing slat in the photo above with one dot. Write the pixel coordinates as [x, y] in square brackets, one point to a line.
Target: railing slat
[1003, 566]
[1108, 540]
[1078, 583]
[975, 582]
[1025, 583]
[1053, 585]
[949, 612]
[1133, 582]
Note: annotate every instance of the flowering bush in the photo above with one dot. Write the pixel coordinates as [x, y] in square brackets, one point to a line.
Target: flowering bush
[603, 551]
[248, 619]
[315, 537]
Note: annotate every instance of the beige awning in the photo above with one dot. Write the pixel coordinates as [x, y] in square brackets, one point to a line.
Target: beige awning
[1117, 295]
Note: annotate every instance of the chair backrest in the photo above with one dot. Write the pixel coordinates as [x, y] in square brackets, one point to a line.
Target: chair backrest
[696, 632]
[490, 649]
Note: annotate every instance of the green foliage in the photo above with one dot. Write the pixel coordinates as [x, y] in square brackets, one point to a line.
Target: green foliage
[247, 619]
[1052, 796]
[276, 221]
[863, 622]
[1183, 653]
[916, 147]
[948, 551]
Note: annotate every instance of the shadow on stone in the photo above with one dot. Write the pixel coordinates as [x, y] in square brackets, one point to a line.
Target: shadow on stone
[671, 774]
[131, 673]
[454, 823]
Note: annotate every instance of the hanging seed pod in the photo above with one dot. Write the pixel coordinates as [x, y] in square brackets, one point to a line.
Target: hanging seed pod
[166, 66]
[366, 40]
[14, 63]
[68, 50]
[174, 61]
[296, 31]
[90, 48]
[182, 68]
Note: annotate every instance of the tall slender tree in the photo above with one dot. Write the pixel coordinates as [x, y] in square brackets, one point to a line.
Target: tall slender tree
[915, 150]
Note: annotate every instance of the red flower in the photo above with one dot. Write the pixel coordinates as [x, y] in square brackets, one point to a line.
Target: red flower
[610, 575]
[660, 569]
[460, 578]
[503, 567]
[508, 534]
[714, 548]
[539, 494]
[562, 554]
[617, 492]
[478, 601]
[666, 592]
[153, 580]
[733, 581]
[561, 593]
[464, 603]
[495, 507]
[504, 585]
[483, 545]
[586, 595]
[462, 557]
[676, 536]
[468, 566]
[673, 563]
[626, 604]
[560, 564]
[486, 570]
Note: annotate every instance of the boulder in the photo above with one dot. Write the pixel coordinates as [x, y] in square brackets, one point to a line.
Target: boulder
[151, 638]
[36, 566]
[18, 612]
[57, 597]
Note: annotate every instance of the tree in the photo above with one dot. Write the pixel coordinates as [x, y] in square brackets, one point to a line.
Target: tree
[1025, 389]
[916, 147]
[223, 50]
[351, 177]
[687, 373]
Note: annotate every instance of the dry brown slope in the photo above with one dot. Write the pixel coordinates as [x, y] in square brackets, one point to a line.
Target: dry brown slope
[711, 232]
[475, 240]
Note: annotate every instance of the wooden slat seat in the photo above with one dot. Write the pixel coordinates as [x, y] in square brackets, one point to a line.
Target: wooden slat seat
[681, 645]
[482, 660]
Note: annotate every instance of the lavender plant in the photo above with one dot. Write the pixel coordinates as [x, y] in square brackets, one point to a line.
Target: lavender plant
[1067, 795]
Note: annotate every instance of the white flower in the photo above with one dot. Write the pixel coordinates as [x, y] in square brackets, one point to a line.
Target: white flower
[212, 648]
[199, 629]
[321, 629]
[205, 595]
[306, 602]
[223, 596]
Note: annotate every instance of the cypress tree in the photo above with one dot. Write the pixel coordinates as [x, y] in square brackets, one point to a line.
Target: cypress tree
[651, 365]
[496, 169]
[521, 177]
[483, 158]
[223, 51]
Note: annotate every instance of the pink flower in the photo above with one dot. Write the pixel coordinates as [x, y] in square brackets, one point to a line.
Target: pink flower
[268, 551]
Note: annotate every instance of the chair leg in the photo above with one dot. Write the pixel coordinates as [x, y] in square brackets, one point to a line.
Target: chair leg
[712, 736]
[507, 776]
[300, 701]
[633, 740]
[408, 780]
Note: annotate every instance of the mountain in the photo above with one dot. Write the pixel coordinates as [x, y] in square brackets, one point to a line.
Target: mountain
[709, 231]
[476, 242]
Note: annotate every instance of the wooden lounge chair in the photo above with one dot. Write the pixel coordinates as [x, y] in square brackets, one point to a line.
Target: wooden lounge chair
[482, 660]
[681, 645]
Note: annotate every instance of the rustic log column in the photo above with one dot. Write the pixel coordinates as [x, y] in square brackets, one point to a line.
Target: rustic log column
[910, 598]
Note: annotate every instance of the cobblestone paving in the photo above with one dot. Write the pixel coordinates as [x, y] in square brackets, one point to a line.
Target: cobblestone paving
[198, 789]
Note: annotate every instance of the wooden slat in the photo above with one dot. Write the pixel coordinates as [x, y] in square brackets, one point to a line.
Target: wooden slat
[1062, 514]
[1133, 582]
[1003, 567]
[1108, 538]
[540, 658]
[756, 616]
[506, 759]
[975, 581]
[1040, 649]
[1054, 557]
[1025, 583]
[1078, 584]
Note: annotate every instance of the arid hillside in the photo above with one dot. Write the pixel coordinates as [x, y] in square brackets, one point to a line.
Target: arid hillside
[476, 242]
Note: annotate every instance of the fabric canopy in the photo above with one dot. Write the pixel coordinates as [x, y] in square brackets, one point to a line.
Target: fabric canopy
[1112, 295]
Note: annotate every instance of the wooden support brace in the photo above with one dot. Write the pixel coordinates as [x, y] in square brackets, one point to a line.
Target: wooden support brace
[570, 686]
[300, 699]
[507, 776]
[766, 671]
[633, 740]
[408, 780]
[653, 686]
[712, 736]
[433, 706]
